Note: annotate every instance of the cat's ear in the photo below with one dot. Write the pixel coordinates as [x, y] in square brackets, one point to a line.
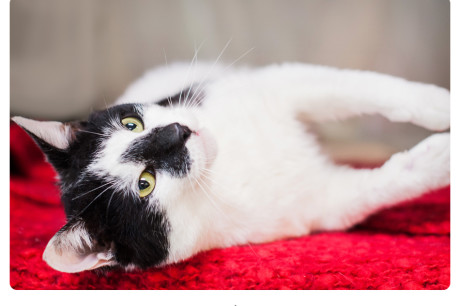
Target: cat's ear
[56, 134]
[54, 138]
[72, 250]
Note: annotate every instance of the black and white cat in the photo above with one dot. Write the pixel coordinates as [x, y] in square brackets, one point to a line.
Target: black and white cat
[198, 157]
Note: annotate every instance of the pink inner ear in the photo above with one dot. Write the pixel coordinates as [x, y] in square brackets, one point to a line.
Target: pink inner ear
[71, 262]
[55, 133]
[101, 263]
[63, 253]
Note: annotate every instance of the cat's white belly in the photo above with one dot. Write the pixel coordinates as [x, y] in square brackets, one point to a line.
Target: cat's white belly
[259, 186]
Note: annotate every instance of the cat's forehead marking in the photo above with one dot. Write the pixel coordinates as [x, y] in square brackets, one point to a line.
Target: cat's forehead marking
[107, 161]
[110, 158]
[106, 157]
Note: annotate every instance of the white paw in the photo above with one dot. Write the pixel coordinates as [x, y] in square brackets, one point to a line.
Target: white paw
[432, 108]
[429, 107]
[426, 164]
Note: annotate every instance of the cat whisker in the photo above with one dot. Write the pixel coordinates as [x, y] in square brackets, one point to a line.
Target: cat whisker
[253, 251]
[210, 70]
[86, 207]
[197, 93]
[213, 203]
[188, 72]
[239, 58]
[218, 209]
[99, 187]
[104, 98]
[108, 206]
[212, 191]
[195, 59]
[190, 182]
[84, 131]
[214, 182]
[167, 65]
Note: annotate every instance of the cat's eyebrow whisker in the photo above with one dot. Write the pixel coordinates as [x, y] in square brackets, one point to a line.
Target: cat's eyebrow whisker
[166, 60]
[187, 100]
[211, 69]
[109, 112]
[104, 98]
[198, 92]
[167, 65]
[188, 72]
[239, 58]
[195, 59]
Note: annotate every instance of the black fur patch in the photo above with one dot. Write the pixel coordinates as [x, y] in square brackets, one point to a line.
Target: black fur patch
[87, 138]
[138, 234]
[163, 148]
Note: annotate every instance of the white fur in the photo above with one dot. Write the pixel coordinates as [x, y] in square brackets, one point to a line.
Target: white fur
[266, 178]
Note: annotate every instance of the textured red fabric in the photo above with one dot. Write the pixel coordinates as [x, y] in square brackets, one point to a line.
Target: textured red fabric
[406, 247]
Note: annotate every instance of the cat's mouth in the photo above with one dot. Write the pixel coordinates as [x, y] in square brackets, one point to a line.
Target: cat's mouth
[203, 148]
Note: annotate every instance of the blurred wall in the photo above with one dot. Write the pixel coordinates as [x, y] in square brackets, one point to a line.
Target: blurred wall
[69, 56]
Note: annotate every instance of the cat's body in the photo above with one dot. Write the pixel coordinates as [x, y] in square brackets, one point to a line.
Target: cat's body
[245, 169]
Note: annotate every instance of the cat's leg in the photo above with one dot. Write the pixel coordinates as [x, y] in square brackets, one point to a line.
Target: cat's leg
[350, 195]
[323, 93]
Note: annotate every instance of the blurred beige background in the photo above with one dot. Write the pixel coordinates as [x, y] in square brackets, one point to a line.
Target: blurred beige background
[69, 57]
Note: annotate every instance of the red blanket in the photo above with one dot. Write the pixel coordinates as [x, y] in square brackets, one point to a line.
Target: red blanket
[406, 247]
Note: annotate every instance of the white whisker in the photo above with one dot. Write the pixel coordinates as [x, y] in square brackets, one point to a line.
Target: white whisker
[197, 92]
[94, 199]
[91, 191]
[213, 204]
[167, 65]
[188, 72]
[239, 58]
[108, 205]
[186, 101]
[84, 131]
[208, 177]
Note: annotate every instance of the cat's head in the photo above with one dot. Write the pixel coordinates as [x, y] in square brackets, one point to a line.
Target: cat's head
[120, 173]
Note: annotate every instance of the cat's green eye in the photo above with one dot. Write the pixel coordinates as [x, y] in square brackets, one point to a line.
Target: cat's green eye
[146, 184]
[133, 124]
